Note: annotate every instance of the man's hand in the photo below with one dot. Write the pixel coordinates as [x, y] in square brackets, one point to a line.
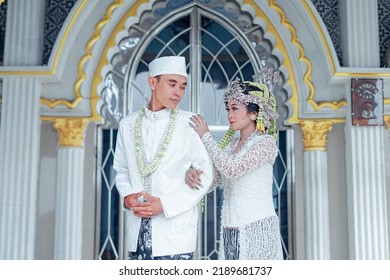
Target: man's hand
[131, 201]
[148, 209]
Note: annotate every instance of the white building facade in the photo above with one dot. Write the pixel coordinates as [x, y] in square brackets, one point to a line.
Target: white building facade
[71, 69]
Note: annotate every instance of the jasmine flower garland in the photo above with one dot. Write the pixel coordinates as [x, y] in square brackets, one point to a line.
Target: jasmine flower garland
[226, 138]
[147, 168]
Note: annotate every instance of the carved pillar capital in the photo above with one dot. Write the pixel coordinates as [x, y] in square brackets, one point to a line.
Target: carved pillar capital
[70, 132]
[315, 134]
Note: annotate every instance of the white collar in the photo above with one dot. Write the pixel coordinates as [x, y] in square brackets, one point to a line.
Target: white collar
[163, 113]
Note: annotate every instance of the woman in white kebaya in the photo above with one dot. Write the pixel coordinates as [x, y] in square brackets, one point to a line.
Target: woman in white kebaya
[250, 226]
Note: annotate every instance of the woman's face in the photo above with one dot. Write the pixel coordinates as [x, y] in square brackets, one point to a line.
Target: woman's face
[238, 115]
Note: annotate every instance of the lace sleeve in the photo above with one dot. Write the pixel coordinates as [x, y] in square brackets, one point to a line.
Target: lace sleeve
[262, 150]
[217, 180]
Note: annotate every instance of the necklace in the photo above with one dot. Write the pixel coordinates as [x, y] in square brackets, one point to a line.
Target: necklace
[146, 168]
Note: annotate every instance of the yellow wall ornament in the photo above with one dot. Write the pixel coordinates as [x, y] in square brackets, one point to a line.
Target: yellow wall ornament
[315, 134]
[70, 131]
[387, 121]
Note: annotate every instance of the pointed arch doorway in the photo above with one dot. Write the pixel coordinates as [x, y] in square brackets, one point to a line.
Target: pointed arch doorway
[217, 50]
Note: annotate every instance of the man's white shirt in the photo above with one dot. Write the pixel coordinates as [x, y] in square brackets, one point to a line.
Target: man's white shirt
[174, 231]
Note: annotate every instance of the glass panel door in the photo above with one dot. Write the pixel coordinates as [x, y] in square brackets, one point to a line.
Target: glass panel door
[216, 52]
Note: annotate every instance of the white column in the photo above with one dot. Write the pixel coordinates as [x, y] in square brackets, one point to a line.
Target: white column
[25, 33]
[19, 150]
[20, 131]
[367, 206]
[317, 233]
[69, 200]
[360, 35]
[366, 185]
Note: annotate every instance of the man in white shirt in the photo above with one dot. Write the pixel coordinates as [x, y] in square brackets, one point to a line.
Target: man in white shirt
[155, 146]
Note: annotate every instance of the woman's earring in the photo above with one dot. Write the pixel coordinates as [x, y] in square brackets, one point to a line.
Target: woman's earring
[253, 117]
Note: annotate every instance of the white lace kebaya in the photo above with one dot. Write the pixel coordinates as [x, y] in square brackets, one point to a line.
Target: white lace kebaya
[247, 177]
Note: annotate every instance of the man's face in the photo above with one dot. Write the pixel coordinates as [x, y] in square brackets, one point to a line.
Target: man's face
[168, 90]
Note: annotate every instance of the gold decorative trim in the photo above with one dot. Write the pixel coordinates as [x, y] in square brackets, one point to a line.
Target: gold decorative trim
[314, 134]
[280, 45]
[321, 33]
[51, 103]
[103, 60]
[66, 34]
[52, 71]
[387, 121]
[1, 2]
[88, 54]
[329, 55]
[70, 131]
[307, 78]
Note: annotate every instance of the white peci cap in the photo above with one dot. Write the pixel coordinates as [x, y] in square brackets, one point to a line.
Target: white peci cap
[166, 65]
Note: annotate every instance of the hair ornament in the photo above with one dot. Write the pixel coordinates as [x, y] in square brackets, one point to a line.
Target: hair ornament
[267, 76]
[260, 122]
[259, 92]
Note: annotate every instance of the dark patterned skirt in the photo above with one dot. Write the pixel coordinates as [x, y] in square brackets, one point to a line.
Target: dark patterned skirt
[231, 243]
[144, 246]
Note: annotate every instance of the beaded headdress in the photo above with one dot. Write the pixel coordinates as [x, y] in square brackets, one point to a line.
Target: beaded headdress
[260, 93]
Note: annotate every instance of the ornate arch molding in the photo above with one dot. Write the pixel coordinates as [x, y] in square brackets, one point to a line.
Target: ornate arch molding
[120, 15]
[302, 93]
[113, 52]
[321, 95]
